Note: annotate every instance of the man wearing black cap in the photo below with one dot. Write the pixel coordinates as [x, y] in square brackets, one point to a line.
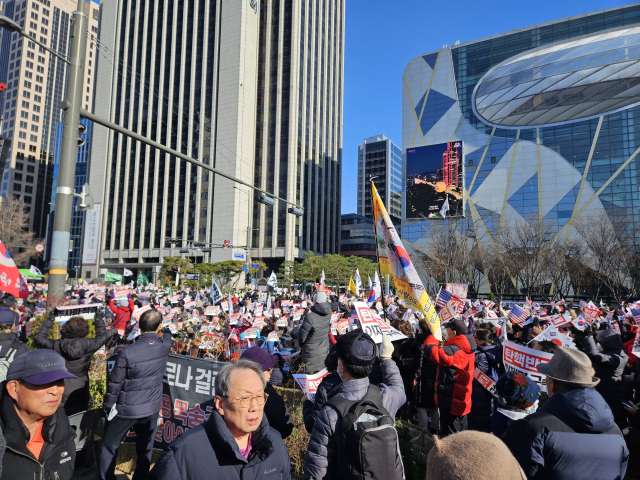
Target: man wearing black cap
[456, 363]
[39, 438]
[356, 354]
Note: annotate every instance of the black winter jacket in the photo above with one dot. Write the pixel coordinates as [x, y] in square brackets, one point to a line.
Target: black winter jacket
[277, 412]
[135, 383]
[7, 339]
[210, 451]
[56, 458]
[425, 391]
[487, 361]
[609, 366]
[77, 353]
[310, 410]
[572, 435]
[8, 316]
[313, 337]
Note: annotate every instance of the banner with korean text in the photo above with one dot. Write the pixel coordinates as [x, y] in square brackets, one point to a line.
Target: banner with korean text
[187, 396]
[525, 360]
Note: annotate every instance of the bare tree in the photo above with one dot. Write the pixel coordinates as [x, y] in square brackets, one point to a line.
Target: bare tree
[14, 231]
[609, 251]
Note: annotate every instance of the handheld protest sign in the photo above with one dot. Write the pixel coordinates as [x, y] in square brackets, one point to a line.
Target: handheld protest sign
[309, 383]
[525, 360]
[367, 321]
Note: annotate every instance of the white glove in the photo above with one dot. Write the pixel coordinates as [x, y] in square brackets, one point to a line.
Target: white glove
[386, 348]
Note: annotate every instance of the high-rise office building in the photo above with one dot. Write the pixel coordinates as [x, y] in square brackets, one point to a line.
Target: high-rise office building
[251, 88]
[379, 158]
[31, 110]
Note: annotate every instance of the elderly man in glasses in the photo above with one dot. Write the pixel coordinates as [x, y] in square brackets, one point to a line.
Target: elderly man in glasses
[236, 442]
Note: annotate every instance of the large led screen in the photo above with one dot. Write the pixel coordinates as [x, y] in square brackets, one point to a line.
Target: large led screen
[434, 177]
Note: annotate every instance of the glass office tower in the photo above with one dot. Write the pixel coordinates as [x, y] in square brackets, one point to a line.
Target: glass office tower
[546, 117]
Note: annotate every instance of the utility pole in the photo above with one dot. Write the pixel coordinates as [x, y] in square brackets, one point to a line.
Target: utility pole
[68, 153]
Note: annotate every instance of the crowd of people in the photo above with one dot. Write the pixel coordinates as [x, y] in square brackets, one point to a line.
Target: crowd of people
[561, 403]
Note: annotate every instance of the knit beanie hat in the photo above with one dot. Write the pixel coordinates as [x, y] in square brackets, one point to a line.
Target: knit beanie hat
[473, 456]
[517, 390]
[356, 348]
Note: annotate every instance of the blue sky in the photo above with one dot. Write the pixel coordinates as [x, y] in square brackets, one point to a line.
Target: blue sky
[383, 35]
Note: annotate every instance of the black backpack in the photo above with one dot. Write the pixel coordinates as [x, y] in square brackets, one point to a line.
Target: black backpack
[367, 440]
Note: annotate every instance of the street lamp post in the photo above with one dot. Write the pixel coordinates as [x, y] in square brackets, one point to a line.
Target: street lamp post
[68, 153]
[68, 149]
[248, 227]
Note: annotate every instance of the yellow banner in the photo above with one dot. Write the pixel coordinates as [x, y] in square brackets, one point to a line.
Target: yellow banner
[395, 261]
[352, 286]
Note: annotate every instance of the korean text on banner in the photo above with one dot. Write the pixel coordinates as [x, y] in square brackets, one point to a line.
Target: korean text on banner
[367, 321]
[394, 260]
[525, 360]
[486, 381]
[309, 383]
[187, 396]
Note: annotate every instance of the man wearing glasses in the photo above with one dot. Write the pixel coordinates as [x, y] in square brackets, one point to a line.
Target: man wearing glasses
[236, 442]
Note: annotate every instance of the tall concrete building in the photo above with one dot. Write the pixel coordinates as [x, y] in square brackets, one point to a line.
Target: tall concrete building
[31, 110]
[253, 88]
[380, 158]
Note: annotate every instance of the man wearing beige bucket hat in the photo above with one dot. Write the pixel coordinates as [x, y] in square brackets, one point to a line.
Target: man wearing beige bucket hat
[573, 434]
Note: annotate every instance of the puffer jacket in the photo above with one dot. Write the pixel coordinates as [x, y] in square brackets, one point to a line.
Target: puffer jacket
[428, 377]
[77, 353]
[321, 450]
[609, 366]
[572, 436]
[135, 382]
[310, 410]
[122, 314]
[8, 339]
[456, 363]
[487, 361]
[210, 451]
[313, 337]
[8, 316]
[57, 456]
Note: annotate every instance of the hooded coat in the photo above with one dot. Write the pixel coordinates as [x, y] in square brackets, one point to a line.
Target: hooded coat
[210, 451]
[609, 366]
[313, 337]
[427, 377]
[456, 363]
[310, 410]
[77, 353]
[572, 435]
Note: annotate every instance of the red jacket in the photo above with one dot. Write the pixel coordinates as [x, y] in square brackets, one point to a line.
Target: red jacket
[628, 346]
[456, 363]
[123, 314]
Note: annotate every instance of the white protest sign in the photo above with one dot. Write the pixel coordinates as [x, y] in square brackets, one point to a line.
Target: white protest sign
[636, 345]
[552, 334]
[140, 311]
[368, 323]
[309, 383]
[525, 360]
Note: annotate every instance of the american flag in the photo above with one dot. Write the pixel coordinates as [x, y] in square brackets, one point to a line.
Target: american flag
[636, 315]
[518, 315]
[443, 297]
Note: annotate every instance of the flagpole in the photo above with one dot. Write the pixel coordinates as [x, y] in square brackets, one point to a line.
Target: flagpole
[375, 228]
